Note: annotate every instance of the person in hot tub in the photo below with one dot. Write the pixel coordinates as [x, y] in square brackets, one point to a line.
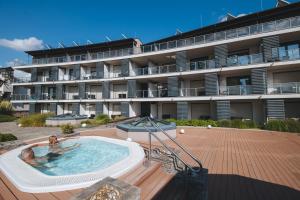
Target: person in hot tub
[55, 150]
[28, 156]
[55, 147]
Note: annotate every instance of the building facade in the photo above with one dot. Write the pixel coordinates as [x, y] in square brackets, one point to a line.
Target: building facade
[244, 68]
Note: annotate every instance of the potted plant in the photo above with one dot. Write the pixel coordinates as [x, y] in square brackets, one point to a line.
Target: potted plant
[68, 130]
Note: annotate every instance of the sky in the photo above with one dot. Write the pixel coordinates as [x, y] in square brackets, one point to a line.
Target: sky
[31, 24]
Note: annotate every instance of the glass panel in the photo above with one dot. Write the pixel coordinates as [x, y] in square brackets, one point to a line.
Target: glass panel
[172, 44]
[282, 53]
[243, 31]
[269, 26]
[231, 34]
[209, 37]
[220, 35]
[244, 60]
[199, 39]
[255, 29]
[295, 21]
[282, 24]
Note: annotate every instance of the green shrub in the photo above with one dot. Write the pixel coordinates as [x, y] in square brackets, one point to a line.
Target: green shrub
[4, 137]
[224, 123]
[288, 125]
[6, 108]
[34, 120]
[193, 122]
[67, 129]
[7, 118]
[104, 118]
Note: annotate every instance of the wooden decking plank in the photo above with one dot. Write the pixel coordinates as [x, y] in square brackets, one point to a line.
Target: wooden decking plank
[19, 195]
[62, 195]
[5, 193]
[44, 196]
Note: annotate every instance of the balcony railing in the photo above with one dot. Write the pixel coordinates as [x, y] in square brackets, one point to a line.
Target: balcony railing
[284, 55]
[206, 64]
[201, 39]
[142, 93]
[22, 79]
[192, 92]
[236, 90]
[225, 35]
[89, 76]
[119, 95]
[141, 71]
[285, 88]
[71, 96]
[245, 60]
[93, 95]
[164, 69]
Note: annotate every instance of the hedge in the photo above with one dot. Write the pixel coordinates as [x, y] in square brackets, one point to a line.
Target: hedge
[34, 120]
[4, 137]
[7, 118]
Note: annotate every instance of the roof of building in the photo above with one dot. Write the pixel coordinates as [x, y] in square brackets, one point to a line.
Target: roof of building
[280, 11]
[103, 46]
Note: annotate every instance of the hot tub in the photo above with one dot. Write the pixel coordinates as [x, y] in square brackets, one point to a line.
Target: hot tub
[92, 160]
[65, 119]
[139, 130]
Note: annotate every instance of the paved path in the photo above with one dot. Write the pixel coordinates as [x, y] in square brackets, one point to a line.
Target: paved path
[27, 133]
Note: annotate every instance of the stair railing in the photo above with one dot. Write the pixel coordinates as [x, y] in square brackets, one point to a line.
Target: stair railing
[187, 166]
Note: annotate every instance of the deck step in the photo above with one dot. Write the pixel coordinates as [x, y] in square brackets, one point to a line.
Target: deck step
[140, 173]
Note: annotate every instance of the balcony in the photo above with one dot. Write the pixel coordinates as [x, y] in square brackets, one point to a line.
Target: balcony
[199, 65]
[71, 96]
[192, 92]
[90, 76]
[225, 35]
[236, 90]
[244, 60]
[93, 95]
[285, 88]
[119, 95]
[279, 54]
[201, 39]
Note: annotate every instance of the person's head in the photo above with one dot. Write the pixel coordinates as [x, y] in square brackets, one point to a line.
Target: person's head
[53, 140]
[27, 154]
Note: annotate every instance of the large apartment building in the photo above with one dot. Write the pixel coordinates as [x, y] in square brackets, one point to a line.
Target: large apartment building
[246, 68]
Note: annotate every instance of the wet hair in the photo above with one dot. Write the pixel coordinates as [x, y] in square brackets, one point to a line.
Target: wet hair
[53, 140]
[25, 152]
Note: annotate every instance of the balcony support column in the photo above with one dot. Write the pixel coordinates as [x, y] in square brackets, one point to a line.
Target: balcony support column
[211, 84]
[223, 110]
[131, 88]
[181, 61]
[275, 109]
[221, 54]
[53, 107]
[173, 86]
[99, 108]
[259, 80]
[182, 110]
[100, 69]
[268, 44]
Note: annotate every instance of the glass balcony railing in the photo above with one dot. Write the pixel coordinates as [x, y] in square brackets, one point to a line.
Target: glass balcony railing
[201, 39]
[236, 90]
[206, 64]
[225, 35]
[119, 95]
[142, 94]
[285, 88]
[245, 60]
[192, 92]
[281, 54]
[93, 95]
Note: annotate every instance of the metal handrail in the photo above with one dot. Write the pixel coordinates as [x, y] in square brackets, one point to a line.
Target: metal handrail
[174, 153]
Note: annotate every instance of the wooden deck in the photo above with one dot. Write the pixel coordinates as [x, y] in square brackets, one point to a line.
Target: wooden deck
[242, 164]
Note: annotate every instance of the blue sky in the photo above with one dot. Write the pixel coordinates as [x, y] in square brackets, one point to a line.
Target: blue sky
[34, 23]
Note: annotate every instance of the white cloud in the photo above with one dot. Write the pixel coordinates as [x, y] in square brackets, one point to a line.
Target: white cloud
[31, 43]
[15, 62]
